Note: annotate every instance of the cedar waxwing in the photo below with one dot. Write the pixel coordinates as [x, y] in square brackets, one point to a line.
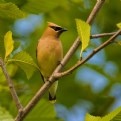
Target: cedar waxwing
[49, 54]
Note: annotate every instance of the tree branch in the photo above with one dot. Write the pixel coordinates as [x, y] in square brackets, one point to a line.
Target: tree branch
[67, 57]
[79, 63]
[95, 10]
[11, 86]
[77, 42]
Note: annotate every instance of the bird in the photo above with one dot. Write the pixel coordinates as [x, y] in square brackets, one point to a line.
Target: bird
[49, 54]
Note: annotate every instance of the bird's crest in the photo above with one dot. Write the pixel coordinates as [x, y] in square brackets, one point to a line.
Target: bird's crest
[52, 24]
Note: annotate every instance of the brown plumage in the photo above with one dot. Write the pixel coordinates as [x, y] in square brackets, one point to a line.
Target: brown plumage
[49, 54]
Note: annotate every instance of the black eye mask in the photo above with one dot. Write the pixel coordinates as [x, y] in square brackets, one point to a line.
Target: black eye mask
[56, 28]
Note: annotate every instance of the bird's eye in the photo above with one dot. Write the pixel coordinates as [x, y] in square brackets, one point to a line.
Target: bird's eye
[56, 28]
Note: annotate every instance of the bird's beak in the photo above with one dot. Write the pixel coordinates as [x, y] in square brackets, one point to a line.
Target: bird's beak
[64, 29]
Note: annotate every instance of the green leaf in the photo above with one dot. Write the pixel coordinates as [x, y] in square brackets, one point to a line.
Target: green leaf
[10, 11]
[25, 61]
[92, 118]
[116, 114]
[8, 43]
[5, 115]
[119, 25]
[83, 29]
[113, 116]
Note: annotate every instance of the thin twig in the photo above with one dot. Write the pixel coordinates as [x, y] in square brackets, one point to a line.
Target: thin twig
[11, 86]
[67, 57]
[102, 35]
[79, 63]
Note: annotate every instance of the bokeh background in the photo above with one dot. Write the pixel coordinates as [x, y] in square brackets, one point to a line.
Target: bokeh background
[95, 87]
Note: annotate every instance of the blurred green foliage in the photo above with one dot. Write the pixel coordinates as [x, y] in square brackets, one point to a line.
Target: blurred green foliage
[102, 92]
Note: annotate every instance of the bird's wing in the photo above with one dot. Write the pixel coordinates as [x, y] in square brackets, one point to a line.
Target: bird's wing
[38, 65]
[42, 77]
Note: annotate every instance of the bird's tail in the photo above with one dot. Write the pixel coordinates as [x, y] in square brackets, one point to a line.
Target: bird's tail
[52, 99]
[52, 92]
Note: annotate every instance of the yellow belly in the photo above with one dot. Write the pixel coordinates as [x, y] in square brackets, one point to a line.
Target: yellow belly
[48, 64]
[48, 58]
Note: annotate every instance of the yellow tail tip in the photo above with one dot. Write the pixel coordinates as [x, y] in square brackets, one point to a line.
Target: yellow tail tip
[52, 101]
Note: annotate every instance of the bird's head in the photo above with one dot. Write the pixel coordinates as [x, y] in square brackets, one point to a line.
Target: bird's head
[54, 29]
